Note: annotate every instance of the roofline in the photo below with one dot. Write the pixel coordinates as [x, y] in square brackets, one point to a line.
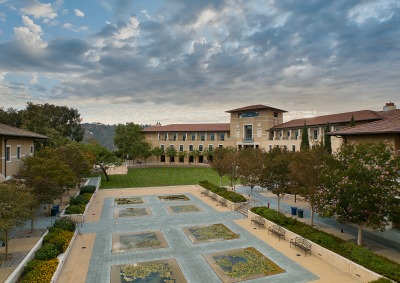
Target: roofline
[261, 108]
[362, 133]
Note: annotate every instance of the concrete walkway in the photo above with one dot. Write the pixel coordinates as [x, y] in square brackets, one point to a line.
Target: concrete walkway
[91, 257]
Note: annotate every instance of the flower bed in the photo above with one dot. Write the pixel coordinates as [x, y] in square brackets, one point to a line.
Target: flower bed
[211, 233]
[126, 201]
[223, 192]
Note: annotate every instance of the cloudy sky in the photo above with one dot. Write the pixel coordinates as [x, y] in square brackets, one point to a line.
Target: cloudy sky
[178, 61]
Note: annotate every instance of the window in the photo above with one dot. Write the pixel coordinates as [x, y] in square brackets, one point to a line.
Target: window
[171, 146]
[210, 147]
[221, 146]
[190, 147]
[315, 135]
[259, 133]
[293, 148]
[18, 152]
[212, 136]
[222, 137]
[288, 134]
[193, 136]
[237, 133]
[32, 149]
[248, 130]
[202, 136]
[162, 147]
[8, 153]
[175, 135]
[184, 136]
[285, 147]
[296, 134]
[181, 147]
[200, 147]
[270, 147]
[276, 114]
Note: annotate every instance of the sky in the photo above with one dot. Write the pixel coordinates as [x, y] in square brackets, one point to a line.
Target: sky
[180, 61]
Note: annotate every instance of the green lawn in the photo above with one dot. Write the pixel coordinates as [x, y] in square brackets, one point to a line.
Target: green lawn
[162, 176]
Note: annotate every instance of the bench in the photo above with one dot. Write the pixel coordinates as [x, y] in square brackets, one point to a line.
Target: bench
[204, 192]
[277, 230]
[302, 244]
[259, 221]
[222, 201]
[214, 196]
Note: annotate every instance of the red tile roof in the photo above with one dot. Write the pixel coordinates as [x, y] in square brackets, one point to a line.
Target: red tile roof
[389, 125]
[6, 130]
[363, 115]
[254, 107]
[221, 127]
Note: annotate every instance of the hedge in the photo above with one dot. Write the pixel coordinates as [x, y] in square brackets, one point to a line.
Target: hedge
[223, 192]
[358, 254]
[87, 189]
[42, 272]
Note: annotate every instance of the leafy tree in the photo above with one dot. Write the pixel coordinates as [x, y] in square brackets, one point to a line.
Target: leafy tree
[171, 152]
[158, 152]
[48, 177]
[306, 169]
[362, 185]
[145, 151]
[47, 118]
[352, 121]
[275, 175]
[250, 166]
[129, 140]
[182, 155]
[305, 143]
[195, 153]
[219, 162]
[327, 140]
[15, 199]
[10, 117]
[103, 158]
[208, 154]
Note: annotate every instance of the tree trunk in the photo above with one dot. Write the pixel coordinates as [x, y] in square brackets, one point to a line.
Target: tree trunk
[359, 237]
[105, 173]
[279, 203]
[32, 224]
[6, 242]
[220, 181]
[295, 198]
[312, 216]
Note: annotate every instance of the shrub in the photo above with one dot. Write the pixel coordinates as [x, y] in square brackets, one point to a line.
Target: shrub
[87, 196]
[79, 199]
[87, 189]
[223, 192]
[75, 209]
[381, 280]
[59, 238]
[47, 252]
[64, 224]
[42, 272]
[31, 265]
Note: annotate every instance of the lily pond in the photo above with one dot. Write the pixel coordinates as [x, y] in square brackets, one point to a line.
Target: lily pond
[133, 212]
[160, 271]
[209, 233]
[138, 241]
[242, 264]
[184, 208]
[174, 198]
[125, 201]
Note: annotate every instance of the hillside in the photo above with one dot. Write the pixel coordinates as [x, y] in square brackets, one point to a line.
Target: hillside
[104, 134]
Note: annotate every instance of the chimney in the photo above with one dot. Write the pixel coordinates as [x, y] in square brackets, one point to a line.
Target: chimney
[389, 106]
[158, 124]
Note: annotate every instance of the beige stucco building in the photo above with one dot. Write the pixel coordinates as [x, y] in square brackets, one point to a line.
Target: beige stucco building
[261, 126]
[15, 144]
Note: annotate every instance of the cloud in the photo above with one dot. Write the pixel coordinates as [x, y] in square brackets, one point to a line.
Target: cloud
[69, 26]
[30, 34]
[39, 10]
[79, 13]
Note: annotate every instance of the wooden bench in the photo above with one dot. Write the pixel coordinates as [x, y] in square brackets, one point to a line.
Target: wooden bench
[302, 244]
[259, 221]
[222, 201]
[277, 230]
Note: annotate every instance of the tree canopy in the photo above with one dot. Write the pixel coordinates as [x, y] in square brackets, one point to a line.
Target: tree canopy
[130, 141]
[305, 143]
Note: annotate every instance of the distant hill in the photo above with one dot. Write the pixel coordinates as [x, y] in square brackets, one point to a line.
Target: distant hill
[104, 134]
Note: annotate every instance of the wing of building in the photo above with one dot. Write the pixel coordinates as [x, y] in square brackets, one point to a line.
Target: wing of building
[15, 144]
[261, 126]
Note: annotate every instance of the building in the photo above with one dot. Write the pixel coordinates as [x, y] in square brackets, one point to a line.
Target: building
[15, 144]
[261, 126]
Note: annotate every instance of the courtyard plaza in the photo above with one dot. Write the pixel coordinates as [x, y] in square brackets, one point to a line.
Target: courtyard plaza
[92, 256]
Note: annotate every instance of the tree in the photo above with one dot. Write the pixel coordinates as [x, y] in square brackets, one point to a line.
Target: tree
[352, 121]
[158, 152]
[219, 162]
[103, 158]
[182, 155]
[171, 152]
[327, 140]
[10, 117]
[208, 153]
[15, 199]
[305, 143]
[145, 151]
[250, 166]
[48, 177]
[129, 140]
[306, 169]
[275, 175]
[232, 160]
[195, 153]
[362, 185]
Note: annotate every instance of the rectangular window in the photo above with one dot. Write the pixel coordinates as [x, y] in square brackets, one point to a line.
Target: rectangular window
[181, 147]
[293, 148]
[32, 148]
[237, 133]
[190, 147]
[276, 114]
[210, 147]
[315, 134]
[285, 147]
[259, 133]
[18, 152]
[193, 136]
[162, 147]
[202, 136]
[248, 130]
[200, 147]
[296, 134]
[171, 146]
[8, 153]
[222, 137]
[221, 146]
[288, 134]
[212, 136]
